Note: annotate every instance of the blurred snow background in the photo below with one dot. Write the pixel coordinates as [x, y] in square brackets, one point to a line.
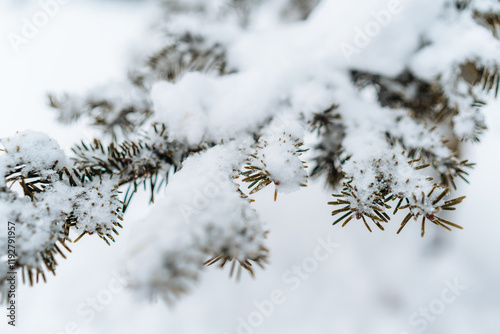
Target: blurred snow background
[371, 284]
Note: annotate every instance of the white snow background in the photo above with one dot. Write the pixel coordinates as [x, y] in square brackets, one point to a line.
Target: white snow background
[371, 284]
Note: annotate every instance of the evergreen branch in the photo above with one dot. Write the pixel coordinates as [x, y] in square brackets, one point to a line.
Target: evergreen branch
[264, 167]
[260, 258]
[54, 201]
[188, 53]
[115, 108]
[448, 167]
[370, 202]
[150, 158]
[424, 100]
[329, 127]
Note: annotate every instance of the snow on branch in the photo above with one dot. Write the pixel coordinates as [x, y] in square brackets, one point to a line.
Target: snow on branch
[45, 199]
[203, 219]
[373, 182]
[226, 95]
